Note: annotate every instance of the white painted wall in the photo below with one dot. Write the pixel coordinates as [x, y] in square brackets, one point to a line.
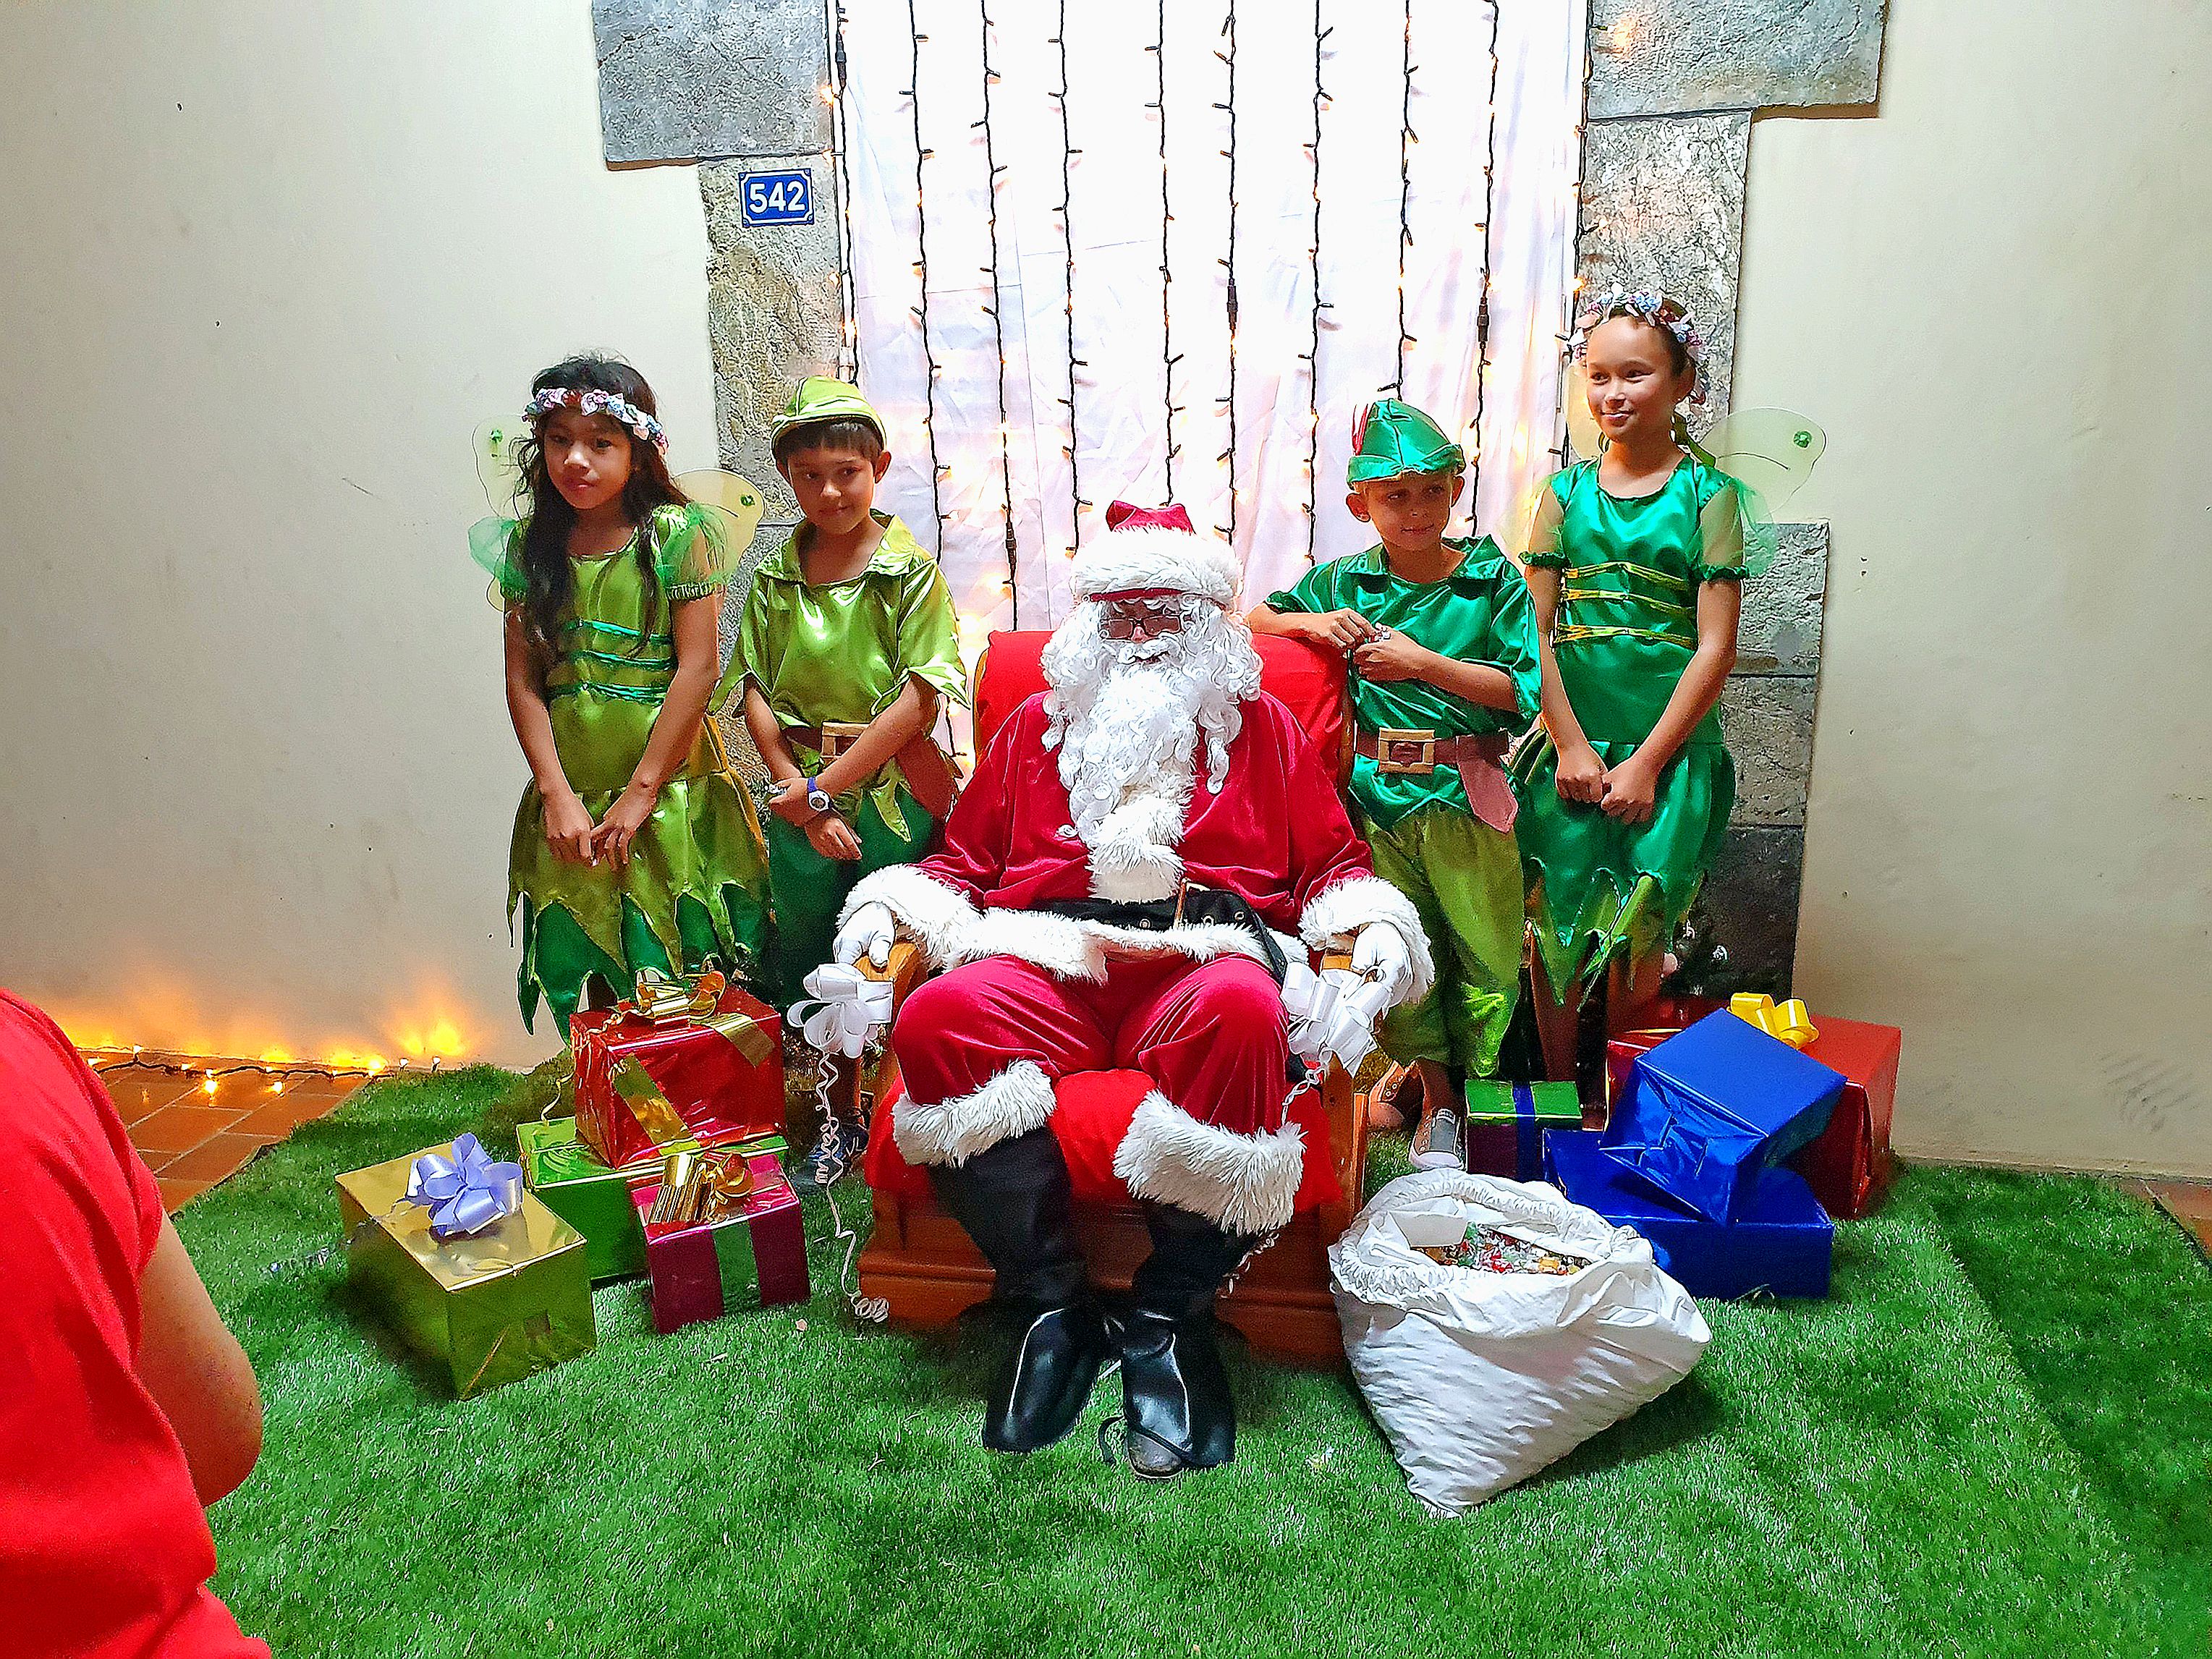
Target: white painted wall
[1995, 298]
[259, 777]
[266, 266]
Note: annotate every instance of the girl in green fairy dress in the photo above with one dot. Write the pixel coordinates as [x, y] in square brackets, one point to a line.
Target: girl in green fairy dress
[634, 847]
[1635, 563]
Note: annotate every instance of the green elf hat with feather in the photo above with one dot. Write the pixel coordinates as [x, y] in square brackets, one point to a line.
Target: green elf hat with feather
[1390, 439]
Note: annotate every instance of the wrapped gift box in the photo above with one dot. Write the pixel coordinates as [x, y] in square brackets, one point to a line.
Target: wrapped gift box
[1707, 1109]
[1848, 1165]
[571, 1181]
[1506, 1122]
[490, 1307]
[1780, 1243]
[755, 1258]
[650, 1077]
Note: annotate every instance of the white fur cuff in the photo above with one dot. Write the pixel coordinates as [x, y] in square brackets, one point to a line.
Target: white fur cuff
[1242, 1183]
[935, 915]
[1016, 1101]
[1358, 900]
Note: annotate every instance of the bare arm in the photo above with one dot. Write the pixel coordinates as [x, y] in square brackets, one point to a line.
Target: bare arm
[910, 714]
[1337, 629]
[526, 707]
[1579, 775]
[768, 737]
[1395, 657]
[197, 1372]
[1635, 780]
[675, 728]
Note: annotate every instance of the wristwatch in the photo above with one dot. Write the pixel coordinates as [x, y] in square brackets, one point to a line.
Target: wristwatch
[815, 800]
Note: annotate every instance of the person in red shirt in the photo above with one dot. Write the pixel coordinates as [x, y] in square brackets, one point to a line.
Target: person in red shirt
[128, 1407]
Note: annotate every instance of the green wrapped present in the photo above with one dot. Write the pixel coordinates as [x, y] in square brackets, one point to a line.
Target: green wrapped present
[1505, 1125]
[570, 1180]
[493, 1304]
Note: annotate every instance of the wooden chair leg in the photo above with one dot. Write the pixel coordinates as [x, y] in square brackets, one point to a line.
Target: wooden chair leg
[1632, 986]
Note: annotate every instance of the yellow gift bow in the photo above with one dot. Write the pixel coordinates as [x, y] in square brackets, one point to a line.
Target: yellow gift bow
[662, 1001]
[1790, 1022]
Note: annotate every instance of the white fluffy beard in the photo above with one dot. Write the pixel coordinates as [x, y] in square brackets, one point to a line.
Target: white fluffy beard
[1126, 715]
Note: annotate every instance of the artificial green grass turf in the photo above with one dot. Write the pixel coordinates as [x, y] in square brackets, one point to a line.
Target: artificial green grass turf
[1873, 1474]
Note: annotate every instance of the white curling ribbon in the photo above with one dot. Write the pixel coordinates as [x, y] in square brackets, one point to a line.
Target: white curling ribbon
[847, 1006]
[1333, 1013]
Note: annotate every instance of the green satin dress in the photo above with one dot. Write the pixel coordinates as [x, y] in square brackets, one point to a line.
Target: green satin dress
[695, 891]
[1625, 629]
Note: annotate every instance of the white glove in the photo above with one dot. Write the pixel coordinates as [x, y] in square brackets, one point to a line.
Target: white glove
[1380, 954]
[869, 934]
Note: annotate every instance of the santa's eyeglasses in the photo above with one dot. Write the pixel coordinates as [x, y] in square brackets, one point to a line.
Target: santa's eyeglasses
[1141, 616]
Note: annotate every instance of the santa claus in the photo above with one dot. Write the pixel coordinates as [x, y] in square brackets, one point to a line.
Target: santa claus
[1143, 849]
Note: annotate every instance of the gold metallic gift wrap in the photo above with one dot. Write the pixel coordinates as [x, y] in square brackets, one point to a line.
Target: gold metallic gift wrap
[491, 1308]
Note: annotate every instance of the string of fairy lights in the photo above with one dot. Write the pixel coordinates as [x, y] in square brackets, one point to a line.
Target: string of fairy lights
[1482, 307]
[1407, 140]
[991, 170]
[848, 301]
[1229, 263]
[1067, 155]
[1168, 359]
[1312, 353]
[921, 155]
[211, 1072]
[1575, 286]
[1072, 396]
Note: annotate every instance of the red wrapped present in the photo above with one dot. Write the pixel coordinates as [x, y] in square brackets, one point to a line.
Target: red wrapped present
[751, 1254]
[695, 1059]
[1848, 1165]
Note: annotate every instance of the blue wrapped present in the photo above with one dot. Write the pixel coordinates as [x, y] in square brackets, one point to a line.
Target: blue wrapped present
[1779, 1243]
[1711, 1107]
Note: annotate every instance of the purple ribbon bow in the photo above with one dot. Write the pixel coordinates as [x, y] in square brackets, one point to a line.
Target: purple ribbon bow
[465, 1193]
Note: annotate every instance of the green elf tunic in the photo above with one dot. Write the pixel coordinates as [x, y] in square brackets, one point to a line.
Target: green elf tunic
[1626, 626]
[1463, 875]
[842, 652]
[695, 889]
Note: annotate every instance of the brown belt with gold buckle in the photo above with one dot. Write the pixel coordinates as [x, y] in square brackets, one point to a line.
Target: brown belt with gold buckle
[928, 773]
[1417, 752]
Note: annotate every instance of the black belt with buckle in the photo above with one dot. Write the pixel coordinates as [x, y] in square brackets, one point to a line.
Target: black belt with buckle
[1211, 905]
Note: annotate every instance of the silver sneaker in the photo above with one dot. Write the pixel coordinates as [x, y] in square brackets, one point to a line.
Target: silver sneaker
[1441, 1143]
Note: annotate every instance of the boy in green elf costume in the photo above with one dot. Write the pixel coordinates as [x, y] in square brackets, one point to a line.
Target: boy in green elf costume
[1442, 646]
[847, 642]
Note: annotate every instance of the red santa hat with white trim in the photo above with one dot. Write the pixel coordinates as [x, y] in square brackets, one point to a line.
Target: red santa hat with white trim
[1154, 550]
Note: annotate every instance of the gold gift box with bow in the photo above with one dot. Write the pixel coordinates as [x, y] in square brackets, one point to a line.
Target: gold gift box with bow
[486, 1308]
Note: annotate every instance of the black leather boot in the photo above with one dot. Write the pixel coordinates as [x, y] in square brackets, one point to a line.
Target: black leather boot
[1014, 1201]
[1180, 1412]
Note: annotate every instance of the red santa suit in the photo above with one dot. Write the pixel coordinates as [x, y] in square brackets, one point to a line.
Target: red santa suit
[1025, 996]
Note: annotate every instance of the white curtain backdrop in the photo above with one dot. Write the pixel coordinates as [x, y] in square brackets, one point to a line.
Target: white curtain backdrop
[1122, 430]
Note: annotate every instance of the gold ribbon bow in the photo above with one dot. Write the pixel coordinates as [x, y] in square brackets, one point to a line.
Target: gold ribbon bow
[1789, 1022]
[659, 999]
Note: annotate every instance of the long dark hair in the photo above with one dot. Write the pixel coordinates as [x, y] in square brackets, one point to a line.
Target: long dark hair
[548, 580]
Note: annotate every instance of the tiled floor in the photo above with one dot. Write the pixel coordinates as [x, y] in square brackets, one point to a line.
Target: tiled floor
[191, 1139]
[2188, 1202]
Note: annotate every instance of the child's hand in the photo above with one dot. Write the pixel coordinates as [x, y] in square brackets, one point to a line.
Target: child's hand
[1629, 788]
[1344, 630]
[624, 820]
[569, 829]
[832, 837]
[790, 804]
[1580, 775]
[1390, 655]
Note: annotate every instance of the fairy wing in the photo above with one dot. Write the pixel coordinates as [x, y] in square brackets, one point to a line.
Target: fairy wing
[1582, 425]
[734, 500]
[1773, 451]
[499, 467]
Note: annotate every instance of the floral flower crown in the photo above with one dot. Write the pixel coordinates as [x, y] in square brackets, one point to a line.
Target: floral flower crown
[609, 404]
[1660, 311]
